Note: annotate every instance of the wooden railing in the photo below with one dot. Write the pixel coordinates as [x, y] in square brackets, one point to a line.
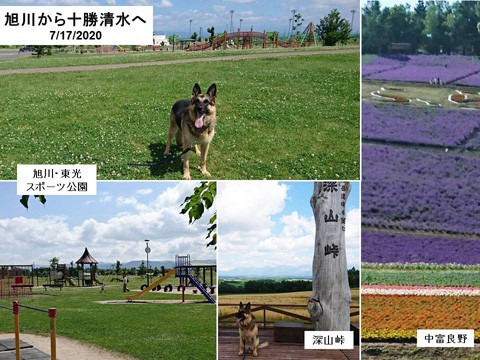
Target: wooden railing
[274, 308]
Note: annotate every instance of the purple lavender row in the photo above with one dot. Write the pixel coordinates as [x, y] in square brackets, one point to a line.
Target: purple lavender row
[420, 190]
[473, 80]
[417, 73]
[381, 247]
[422, 68]
[431, 126]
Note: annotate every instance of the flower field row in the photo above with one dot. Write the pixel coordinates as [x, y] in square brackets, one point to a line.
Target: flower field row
[420, 278]
[420, 190]
[419, 290]
[420, 266]
[397, 318]
[421, 68]
[385, 247]
[472, 80]
[431, 126]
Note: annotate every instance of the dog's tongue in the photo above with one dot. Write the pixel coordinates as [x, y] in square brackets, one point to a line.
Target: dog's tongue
[199, 121]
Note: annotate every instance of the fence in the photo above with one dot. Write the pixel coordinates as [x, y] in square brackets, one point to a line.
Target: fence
[275, 309]
[52, 314]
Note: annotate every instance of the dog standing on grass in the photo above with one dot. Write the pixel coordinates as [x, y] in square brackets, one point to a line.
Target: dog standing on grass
[248, 329]
[193, 122]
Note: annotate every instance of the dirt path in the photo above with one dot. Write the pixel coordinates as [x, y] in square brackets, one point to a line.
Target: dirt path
[171, 62]
[68, 349]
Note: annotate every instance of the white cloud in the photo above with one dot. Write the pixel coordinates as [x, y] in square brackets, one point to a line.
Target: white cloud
[27, 240]
[260, 240]
[239, 1]
[143, 192]
[250, 205]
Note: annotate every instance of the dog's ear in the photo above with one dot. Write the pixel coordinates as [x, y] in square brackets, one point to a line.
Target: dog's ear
[212, 92]
[241, 305]
[248, 307]
[196, 90]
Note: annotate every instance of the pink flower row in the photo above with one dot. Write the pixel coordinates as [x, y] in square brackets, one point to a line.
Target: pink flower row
[420, 290]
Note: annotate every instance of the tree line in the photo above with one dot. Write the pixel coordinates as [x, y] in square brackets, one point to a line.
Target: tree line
[269, 286]
[429, 27]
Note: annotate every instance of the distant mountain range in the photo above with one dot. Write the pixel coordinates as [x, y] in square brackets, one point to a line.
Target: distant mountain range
[151, 263]
[270, 272]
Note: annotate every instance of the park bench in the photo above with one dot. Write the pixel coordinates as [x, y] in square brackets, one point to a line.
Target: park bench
[45, 286]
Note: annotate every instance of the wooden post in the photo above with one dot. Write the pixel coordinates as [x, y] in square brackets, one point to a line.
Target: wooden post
[52, 314]
[276, 39]
[329, 306]
[225, 40]
[264, 45]
[238, 38]
[16, 324]
[251, 37]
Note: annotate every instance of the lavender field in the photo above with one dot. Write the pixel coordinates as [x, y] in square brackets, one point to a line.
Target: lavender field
[473, 80]
[422, 68]
[430, 126]
[381, 247]
[413, 189]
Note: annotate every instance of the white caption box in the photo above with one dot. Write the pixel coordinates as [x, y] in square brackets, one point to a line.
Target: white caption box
[56, 179]
[328, 340]
[445, 338]
[76, 25]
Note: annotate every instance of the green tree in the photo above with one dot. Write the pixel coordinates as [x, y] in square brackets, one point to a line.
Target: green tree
[195, 205]
[211, 31]
[54, 262]
[41, 50]
[142, 269]
[194, 36]
[118, 267]
[333, 29]
[297, 23]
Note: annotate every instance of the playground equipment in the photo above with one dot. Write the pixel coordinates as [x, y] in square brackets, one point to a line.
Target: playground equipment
[245, 36]
[16, 280]
[52, 314]
[87, 278]
[152, 286]
[186, 272]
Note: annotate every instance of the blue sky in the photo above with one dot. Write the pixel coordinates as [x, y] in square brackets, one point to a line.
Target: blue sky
[267, 228]
[172, 16]
[113, 224]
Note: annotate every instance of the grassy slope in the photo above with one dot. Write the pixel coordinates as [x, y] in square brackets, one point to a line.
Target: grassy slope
[70, 59]
[282, 118]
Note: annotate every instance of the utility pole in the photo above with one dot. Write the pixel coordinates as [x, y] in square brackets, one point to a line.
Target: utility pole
[190, 33]
[241, 20]
[293, 20]
[353, 14]
[231, 20]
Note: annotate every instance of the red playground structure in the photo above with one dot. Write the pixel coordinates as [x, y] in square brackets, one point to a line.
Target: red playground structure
[16, 281]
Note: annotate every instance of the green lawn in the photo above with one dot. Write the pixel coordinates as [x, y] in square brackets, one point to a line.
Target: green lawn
[279, 118]
[144, 331]
[71, 59]
[420, 277]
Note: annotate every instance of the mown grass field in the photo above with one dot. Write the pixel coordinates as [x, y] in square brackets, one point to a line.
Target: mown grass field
[143, 331]
[435, 95]
[279, 118]
[72, 59]
[296, 298]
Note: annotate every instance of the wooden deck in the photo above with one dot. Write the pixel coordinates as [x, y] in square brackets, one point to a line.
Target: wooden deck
[228, 343]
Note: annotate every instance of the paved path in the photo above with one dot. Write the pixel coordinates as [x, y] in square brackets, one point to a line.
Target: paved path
[67, 349]
[170, 62]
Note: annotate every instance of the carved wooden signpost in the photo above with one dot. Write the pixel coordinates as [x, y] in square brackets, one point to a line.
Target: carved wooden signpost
[329, 306]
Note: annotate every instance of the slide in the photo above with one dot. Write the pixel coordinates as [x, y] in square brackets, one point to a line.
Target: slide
[70, 281]
[201, 288]
[158, 282]
[98, 282]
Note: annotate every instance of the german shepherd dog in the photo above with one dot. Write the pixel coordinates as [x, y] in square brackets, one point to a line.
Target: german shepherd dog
[193, 122]
[248, 329]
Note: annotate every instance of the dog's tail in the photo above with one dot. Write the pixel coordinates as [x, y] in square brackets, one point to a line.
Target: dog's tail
[263, 345]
